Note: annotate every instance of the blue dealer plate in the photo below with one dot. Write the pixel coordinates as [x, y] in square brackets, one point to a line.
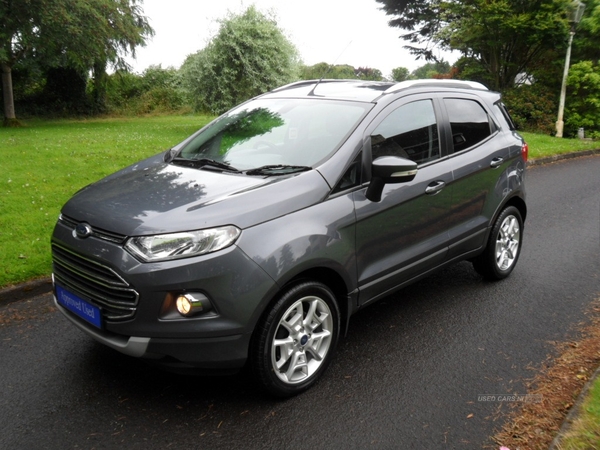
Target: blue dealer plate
[76, 305]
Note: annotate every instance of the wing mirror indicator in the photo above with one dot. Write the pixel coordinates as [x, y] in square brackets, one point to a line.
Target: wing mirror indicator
[389, 170]
[406, 174]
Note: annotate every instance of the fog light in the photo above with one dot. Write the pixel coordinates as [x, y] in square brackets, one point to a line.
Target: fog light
[188, 304]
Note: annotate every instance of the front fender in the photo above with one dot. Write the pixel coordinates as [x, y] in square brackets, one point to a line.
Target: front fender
[320, 236]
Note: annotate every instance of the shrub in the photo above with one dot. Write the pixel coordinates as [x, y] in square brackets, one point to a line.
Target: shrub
[583, 99]
[157, 90]
[533, 107]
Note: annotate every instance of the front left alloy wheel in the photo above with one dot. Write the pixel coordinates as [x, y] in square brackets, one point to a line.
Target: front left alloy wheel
[295, 341]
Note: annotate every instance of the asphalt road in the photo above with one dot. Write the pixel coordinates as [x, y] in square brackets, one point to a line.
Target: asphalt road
[409, 375]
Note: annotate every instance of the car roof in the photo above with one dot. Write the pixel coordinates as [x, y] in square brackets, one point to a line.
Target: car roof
[366, 91]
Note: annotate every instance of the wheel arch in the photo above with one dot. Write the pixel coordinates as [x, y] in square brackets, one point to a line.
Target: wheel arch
[326, 275]
[333, 281]
[518, 203]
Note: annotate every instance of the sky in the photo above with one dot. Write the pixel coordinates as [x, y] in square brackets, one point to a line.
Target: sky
[354, 32]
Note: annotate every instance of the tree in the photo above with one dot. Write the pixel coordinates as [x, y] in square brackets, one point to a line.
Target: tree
[587, 39]
[80, 34]
[329, 71]
[505, 37]
[339, 72]
[400, 74]
[248, 56]
[368, 73]
[432, 70]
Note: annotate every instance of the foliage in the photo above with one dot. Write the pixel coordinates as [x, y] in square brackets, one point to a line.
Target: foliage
[583, 99]
[587, 39]
[421, 19]
[470, 69]
[78, 34]
[157, 90]
[532, 107]
[432, 70]
[54, 91]
[328, 71]
[64, 92]
[505, 37]
[400, 74]
[368, 73]
[339, 72]
[248, 56]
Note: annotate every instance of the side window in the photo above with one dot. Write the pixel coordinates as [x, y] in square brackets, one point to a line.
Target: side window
[505, 115]
[469, 122]
[410, 132]
[352, 176]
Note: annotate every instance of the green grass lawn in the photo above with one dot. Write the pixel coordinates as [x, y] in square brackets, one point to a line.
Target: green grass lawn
[46, 162]
[584, 433]
[543, 145]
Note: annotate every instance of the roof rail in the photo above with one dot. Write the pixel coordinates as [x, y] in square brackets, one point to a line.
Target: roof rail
[436, 83]
[294, 84]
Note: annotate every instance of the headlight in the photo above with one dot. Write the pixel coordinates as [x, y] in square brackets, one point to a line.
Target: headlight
[163, 247]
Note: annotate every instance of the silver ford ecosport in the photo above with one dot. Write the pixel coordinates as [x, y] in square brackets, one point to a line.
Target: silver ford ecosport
[255, 239]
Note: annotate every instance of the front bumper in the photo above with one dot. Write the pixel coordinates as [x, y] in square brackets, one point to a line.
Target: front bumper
[228, 352]
[237, 287]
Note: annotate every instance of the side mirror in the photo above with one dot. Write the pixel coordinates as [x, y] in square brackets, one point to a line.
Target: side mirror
[387, 170]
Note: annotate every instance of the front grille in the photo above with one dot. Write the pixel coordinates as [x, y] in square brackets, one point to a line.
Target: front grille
[94, 282]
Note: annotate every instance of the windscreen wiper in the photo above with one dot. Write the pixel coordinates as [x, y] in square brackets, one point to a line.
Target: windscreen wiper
[202, 163]
[277, 169]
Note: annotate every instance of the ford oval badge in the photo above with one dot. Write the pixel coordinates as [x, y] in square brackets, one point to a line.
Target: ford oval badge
[83, 230]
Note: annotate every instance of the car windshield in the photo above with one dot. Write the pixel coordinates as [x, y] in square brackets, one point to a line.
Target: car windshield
[276, 132]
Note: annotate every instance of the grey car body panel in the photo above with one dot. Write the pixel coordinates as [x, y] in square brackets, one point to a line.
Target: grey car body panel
[320, 236]
[292, 225]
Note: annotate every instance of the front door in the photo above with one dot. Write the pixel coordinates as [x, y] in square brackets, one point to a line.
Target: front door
[404, 234]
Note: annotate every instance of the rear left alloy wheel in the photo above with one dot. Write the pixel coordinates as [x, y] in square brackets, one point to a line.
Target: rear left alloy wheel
[295, 341]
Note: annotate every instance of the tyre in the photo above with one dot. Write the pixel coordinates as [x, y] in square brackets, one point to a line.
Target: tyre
[296, 339]
[503, 248]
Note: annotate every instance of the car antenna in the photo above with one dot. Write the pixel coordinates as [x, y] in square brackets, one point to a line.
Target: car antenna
[331, 66]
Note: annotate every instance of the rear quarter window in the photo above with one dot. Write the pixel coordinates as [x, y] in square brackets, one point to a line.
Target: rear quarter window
[504, 116]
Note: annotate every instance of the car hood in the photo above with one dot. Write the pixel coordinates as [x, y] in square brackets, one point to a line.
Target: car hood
[153, 197]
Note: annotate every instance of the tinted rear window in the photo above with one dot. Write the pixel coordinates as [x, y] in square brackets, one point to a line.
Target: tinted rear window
[469, 121]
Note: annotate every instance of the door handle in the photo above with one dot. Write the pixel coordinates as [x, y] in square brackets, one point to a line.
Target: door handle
[435, 187]
[496, 162]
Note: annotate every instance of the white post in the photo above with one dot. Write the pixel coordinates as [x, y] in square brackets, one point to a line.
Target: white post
[560, 124]
[577, 8]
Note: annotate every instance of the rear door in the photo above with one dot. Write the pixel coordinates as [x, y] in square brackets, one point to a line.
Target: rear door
[479, 155]
[404, 234]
